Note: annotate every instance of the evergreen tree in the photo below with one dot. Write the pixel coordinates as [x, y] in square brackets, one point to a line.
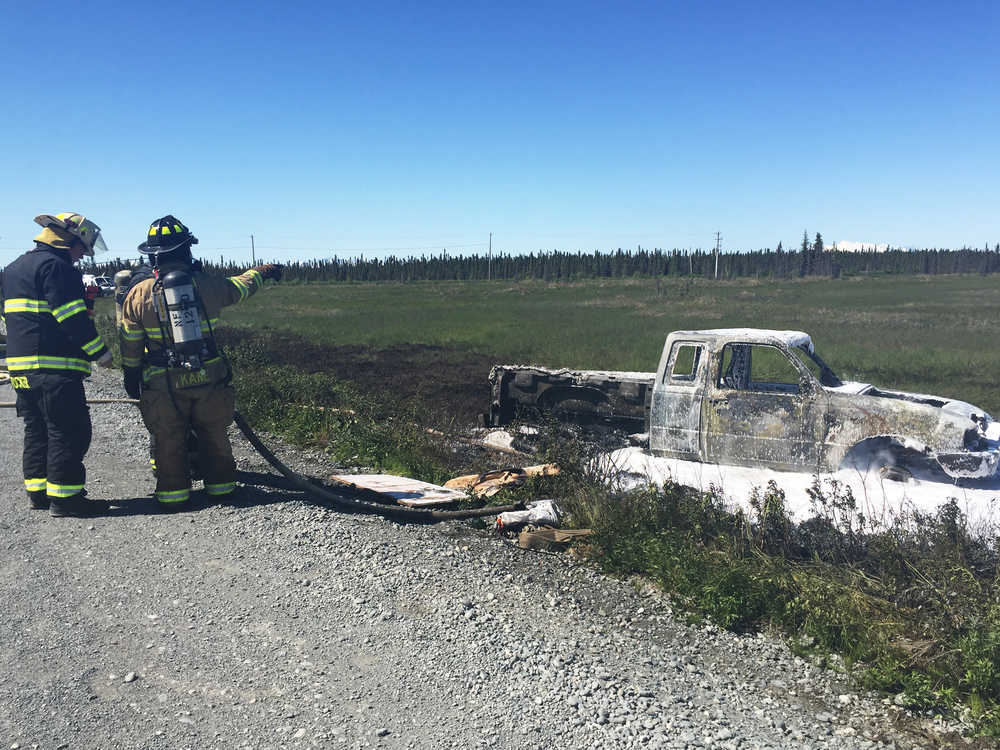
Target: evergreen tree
[805, 262]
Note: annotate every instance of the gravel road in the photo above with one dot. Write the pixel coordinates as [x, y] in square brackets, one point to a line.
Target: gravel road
[273, 622]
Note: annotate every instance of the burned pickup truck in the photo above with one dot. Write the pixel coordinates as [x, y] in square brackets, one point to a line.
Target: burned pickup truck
[755, 397]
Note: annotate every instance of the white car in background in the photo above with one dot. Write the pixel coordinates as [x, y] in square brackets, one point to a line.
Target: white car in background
[106, 285]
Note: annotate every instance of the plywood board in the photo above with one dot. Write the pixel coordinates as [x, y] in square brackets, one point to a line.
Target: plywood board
[405, 491]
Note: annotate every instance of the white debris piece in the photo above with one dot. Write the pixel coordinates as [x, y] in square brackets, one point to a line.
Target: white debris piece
[538, 513]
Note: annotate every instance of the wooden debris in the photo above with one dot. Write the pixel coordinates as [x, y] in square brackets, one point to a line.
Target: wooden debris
[491, 482]
[402, 490]
[547, 538]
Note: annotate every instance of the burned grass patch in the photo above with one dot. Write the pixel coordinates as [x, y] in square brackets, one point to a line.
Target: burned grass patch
[447, 386]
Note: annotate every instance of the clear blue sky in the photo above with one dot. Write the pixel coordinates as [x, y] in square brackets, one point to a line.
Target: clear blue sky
[336, 128]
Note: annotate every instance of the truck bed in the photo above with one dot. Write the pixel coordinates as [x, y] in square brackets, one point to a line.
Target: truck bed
[614, 398]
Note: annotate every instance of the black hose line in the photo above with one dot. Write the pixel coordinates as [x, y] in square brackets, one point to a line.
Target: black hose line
[395, 512]
[340, 501]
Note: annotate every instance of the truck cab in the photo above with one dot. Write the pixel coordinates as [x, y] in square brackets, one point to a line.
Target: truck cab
[757, 397]
[736, 396]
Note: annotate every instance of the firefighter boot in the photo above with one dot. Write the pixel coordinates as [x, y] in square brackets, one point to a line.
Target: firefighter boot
[38, 499]
[77, 506]
[172, 505]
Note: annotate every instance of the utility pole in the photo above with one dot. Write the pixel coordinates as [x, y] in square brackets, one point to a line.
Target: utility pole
[253, 252]
[489, 261]
[718, 244]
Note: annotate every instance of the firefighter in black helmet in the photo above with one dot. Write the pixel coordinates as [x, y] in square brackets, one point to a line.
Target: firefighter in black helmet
[172, 363]
[51, 341]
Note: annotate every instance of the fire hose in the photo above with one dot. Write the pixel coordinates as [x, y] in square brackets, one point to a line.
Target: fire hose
[339, 500]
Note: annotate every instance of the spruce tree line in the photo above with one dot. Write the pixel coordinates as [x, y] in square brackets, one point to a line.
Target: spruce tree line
[811, 259]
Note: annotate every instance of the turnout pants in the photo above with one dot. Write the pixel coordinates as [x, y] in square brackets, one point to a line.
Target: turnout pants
[57, 432]
[170, 417]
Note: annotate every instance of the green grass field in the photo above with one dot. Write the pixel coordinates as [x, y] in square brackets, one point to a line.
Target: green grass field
[930, 334]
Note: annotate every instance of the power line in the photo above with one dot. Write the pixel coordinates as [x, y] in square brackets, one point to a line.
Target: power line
[439, 246]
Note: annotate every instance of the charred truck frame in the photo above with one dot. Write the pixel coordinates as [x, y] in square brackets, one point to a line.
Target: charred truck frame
[754, 397]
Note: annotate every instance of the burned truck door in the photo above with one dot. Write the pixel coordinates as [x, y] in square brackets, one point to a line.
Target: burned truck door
[759, 409]
[675, 409]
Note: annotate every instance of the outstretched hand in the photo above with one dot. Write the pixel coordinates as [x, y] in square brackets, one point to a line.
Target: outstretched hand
[270, 271]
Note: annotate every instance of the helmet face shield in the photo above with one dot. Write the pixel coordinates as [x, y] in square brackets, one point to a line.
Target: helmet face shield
[88, 232]
[99, 245]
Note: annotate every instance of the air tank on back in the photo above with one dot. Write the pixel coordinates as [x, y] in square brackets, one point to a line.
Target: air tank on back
[185, 320]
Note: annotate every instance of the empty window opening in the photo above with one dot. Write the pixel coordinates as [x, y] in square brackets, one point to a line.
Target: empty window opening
[757, 367]
[686, 358]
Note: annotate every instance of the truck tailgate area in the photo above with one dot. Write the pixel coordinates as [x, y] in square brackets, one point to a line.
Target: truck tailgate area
[614, 398]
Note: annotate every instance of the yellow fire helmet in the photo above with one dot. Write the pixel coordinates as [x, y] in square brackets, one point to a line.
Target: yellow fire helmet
[61, 230]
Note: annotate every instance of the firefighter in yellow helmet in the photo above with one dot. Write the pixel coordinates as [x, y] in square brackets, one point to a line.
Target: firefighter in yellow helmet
[51, 341]
[172, 364]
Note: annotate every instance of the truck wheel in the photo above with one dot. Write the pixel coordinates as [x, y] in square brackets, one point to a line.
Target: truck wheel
[891, 460]
[881, 454]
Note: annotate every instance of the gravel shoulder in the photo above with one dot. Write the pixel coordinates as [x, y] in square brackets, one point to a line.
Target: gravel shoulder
[276, 622]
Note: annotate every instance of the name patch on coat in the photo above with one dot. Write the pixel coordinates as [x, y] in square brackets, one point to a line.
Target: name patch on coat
[191, 379]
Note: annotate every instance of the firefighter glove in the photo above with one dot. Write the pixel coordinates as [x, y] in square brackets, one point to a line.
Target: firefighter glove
[270, 271]
[106, 360]
[133, 381]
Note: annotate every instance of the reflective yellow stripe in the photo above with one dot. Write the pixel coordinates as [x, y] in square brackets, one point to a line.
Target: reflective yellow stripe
[22, 304]
[220, 489]
[34, 485]
[131, 335]
[242, 288]
[69, 309]
[39, 362]
[92, 347]
[173, 496]
[62, 490]
[131, 361]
